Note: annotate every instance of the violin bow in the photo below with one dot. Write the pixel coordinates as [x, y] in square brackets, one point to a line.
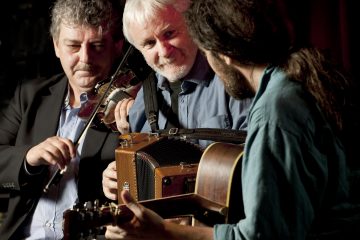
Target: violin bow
[59, 172]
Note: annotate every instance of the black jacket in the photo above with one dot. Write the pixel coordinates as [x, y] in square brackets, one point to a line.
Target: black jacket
[31, 117]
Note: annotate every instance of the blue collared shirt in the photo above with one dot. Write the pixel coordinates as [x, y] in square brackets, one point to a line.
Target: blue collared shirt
[203, 103]
[293, 168]
[46, 222]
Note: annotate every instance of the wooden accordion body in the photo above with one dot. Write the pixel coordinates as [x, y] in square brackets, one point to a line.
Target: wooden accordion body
[151, 167]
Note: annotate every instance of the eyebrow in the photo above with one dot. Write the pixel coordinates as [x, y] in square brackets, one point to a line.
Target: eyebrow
[68, 40]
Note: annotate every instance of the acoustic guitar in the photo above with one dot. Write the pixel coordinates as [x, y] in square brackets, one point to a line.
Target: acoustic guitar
[217, 198]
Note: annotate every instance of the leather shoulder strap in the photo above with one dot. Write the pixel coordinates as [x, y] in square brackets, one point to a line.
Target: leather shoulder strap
[213, 134]
[150, 101]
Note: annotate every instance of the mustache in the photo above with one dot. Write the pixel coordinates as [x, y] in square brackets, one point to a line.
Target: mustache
[84, 67]
[165, 61]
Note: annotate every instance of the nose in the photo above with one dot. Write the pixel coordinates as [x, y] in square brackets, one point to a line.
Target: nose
[84, 53]
[165, 49]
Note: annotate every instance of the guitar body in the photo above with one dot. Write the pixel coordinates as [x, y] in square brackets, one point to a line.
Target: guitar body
[219, 178]
[217, 197]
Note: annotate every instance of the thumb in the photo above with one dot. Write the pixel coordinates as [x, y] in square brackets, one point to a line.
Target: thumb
[127, 198]
[132, 204]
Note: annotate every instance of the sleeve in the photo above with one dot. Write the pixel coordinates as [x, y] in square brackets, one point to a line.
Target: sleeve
[280, 187]
[239, 110]
[12, 171]
[137, 116]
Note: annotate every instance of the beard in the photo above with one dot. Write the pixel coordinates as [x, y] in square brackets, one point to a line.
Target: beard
[176, 66]
[172, 73]
[235, 83]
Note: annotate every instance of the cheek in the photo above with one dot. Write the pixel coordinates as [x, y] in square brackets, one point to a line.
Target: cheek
[68, 60]
[185, 42]
[104, 58]
[178, 43]
[150, 57]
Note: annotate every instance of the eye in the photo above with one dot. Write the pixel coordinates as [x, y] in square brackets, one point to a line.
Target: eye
[169, 34]
[98, 46]
[73, 47]
[149, 44]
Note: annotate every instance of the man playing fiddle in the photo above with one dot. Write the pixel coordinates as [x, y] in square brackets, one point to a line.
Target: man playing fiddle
[41, 122]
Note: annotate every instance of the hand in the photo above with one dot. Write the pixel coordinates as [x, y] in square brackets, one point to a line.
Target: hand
[109, 182]
[121, 113]
[54, 150]
[146, 224]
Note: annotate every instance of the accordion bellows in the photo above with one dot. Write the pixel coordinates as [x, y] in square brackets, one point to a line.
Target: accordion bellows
[153, 167]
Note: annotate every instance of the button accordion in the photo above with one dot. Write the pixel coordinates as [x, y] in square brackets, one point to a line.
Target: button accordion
[152, 167]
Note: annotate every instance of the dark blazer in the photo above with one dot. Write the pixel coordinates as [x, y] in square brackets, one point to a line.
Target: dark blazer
[31, 117]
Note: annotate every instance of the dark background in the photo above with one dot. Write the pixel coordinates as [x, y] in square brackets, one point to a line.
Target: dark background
[26, 49]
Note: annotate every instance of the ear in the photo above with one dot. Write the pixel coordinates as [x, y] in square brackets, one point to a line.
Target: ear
[56, 48]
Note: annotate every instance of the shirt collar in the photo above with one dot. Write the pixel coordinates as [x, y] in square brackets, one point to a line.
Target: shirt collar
[83, 99]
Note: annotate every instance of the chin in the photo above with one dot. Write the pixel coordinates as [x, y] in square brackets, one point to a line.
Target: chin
[176, 73]
[88, 82]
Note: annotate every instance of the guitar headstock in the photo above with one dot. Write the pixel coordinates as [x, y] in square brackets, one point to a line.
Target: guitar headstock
[88, 220]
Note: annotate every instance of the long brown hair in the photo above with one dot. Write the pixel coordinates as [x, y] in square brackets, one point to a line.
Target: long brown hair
[259, 32]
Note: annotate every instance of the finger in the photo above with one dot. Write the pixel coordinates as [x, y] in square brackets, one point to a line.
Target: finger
[125, 107]
[39, 155]
[122, 124]
[110, 171]
[122, 107]
[63, 150]
[114, 232]
[110, 188]
[50, 152]
[109, 181]
[131, 203]
[129, 105]
[71, 148]
[110, 194]
[120, 111]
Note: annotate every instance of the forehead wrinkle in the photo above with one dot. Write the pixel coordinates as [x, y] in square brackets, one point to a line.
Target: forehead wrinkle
[80, 33]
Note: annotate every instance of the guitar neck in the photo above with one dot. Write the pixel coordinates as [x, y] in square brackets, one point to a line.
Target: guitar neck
[192, 204]
[211, 203]
[81, 222]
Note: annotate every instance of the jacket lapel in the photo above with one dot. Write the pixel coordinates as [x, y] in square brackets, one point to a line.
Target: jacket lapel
[50, 109]
[49, 114]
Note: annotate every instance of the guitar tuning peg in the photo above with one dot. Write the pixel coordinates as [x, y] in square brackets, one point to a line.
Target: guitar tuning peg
[76, 205]
[88, 205]
[96, 204]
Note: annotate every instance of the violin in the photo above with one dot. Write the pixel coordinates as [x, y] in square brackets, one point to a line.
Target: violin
[125, 85]
[99, 110]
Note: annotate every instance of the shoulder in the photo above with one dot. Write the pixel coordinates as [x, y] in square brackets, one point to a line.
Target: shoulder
[29, 90]
[283, 103]
[41, 83]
